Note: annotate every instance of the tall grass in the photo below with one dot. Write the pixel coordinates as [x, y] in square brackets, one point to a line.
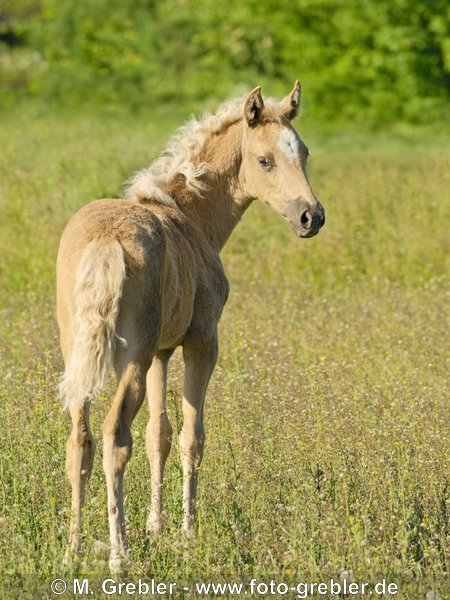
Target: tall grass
[327, 417]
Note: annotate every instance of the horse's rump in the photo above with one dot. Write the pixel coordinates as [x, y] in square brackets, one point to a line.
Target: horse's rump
[97, 294]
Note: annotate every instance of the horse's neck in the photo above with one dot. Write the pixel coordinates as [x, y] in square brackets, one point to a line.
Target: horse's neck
[217, 211]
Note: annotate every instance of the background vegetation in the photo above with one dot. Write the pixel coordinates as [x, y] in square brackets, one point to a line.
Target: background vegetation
[327, 419]
[373, 61]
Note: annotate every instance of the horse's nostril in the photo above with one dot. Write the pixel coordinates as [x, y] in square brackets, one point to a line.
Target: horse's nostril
[306, 219]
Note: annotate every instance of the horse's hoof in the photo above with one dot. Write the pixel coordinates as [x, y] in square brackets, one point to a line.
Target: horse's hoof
[190, 534]
[72, 559]
[119, 565]
[154, 528]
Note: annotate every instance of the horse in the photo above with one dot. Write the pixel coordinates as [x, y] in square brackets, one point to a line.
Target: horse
[140, 276]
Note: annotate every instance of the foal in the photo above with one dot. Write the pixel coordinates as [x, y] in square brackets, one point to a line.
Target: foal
[139, 277]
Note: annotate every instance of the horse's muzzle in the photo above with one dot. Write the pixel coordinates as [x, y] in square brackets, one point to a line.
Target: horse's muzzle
[306, 219]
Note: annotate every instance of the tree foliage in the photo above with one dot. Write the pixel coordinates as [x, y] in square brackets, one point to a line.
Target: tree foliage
[371, 60]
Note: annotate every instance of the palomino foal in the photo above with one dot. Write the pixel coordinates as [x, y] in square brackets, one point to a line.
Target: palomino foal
[139, 277]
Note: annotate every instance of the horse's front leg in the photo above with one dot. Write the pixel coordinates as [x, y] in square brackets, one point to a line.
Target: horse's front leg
[200, 357]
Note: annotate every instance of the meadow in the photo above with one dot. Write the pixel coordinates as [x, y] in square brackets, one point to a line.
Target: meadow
[327, 418]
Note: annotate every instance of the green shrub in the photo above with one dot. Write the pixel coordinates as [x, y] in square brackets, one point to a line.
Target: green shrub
[365, 61]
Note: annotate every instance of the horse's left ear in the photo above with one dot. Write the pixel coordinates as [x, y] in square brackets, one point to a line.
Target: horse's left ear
[291, 104]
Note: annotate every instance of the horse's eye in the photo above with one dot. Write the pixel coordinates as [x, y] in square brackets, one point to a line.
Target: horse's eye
[264, 162]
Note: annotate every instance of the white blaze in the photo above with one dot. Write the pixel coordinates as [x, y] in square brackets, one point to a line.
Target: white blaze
[289, 143]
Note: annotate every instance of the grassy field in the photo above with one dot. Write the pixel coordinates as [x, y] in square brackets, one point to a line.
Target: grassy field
[327, 418]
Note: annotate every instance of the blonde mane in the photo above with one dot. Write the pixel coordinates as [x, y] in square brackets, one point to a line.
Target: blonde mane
[181, 152]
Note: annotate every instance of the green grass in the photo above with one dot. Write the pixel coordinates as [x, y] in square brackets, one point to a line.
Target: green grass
[327, 417]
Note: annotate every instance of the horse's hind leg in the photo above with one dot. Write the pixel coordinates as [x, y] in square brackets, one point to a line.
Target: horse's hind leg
[117, 447]
[80, 457]
[158, 436]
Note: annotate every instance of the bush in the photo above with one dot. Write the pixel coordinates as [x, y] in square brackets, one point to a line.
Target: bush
[366, 60]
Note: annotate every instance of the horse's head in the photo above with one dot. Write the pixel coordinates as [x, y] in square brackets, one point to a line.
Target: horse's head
[274, 160]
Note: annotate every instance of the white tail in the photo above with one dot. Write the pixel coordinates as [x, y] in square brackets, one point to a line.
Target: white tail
[97, 293]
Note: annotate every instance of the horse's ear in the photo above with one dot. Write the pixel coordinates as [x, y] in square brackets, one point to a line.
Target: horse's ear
[291, 104]
[254, 106]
